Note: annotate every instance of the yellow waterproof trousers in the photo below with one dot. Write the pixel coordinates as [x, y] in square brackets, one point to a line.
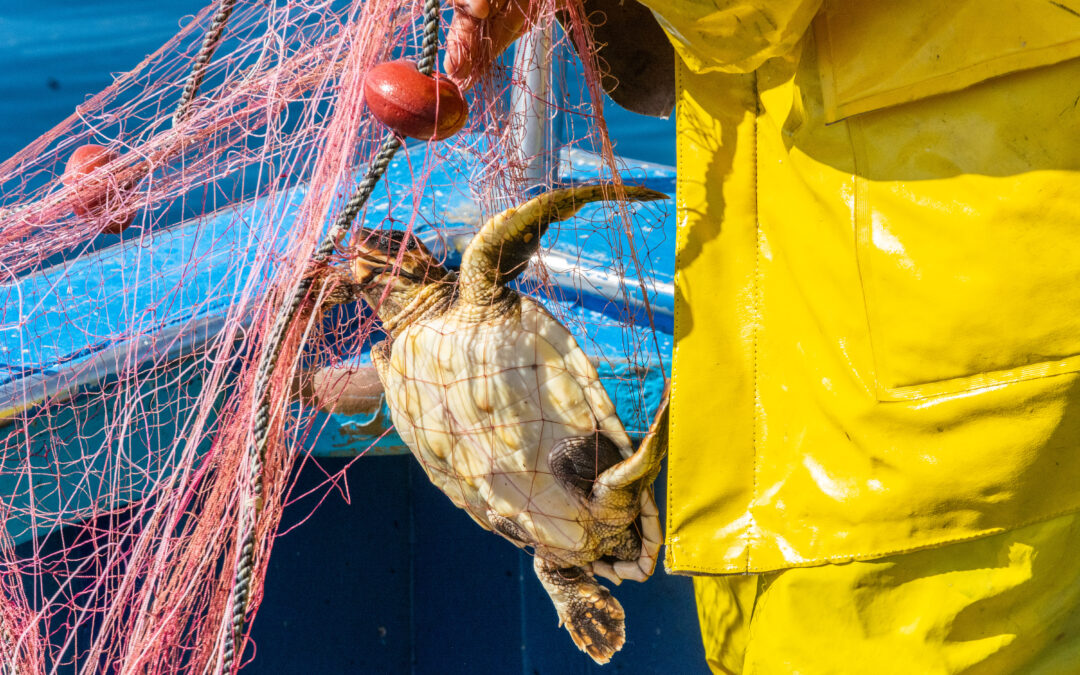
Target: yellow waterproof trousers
[1003, 604]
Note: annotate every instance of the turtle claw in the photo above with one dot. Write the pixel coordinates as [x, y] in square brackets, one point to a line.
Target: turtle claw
[594, 619]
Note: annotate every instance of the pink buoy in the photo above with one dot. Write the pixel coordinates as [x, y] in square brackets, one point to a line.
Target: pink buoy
[92, 198]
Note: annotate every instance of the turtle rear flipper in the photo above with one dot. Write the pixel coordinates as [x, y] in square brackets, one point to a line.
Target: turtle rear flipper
[594, 619]
[501, 249]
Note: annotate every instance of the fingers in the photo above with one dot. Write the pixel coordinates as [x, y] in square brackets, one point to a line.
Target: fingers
[479, 32]
[463, 45]
[478, 9]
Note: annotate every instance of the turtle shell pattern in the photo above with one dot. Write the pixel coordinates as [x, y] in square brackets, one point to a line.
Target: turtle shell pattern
[482, 398]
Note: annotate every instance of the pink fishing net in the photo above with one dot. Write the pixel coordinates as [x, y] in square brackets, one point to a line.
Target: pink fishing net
[129, 371]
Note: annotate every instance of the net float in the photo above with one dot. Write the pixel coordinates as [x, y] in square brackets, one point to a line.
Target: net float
[92, 199]
[426, 107]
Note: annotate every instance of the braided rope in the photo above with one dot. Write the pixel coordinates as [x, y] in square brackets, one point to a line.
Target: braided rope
[430, 46]
[206, 52]
[10, 664]
[241, 591]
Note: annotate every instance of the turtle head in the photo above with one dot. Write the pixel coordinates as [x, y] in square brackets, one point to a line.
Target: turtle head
[393, 269]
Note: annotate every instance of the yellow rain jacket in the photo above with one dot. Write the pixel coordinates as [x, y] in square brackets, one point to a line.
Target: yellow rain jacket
[878, 277]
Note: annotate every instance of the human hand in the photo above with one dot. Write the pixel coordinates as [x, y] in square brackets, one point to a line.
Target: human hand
[479, 32]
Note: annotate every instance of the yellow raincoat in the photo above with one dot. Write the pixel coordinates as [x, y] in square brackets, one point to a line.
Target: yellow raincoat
[878, 291]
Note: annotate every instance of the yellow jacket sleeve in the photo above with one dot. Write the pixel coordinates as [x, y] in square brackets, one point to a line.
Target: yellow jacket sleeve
[733, 36]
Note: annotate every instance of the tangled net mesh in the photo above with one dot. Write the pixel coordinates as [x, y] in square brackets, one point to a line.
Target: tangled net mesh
[123, 475]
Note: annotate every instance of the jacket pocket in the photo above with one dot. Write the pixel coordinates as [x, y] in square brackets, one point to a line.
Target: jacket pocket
[968, 233]
[875, 55]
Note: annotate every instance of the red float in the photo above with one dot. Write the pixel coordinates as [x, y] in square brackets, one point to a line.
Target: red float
[92, 198]
[426, 107]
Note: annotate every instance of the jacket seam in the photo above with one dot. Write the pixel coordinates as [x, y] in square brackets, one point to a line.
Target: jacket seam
[750, 539]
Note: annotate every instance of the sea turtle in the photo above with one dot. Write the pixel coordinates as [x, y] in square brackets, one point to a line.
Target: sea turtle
[507, 415]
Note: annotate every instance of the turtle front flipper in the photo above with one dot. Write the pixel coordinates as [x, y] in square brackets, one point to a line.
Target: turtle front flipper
[643, 466]
[594, 619]
[502, 248]
[631, 481]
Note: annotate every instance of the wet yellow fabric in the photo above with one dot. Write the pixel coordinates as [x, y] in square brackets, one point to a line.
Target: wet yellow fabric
[1003, 604]
[957, 44]
[877, 319]
[732, 35]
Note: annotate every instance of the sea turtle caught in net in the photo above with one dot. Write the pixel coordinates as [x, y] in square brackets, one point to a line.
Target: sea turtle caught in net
[508, 416]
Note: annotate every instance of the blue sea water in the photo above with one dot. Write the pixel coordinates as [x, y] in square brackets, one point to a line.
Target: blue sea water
[56, 53]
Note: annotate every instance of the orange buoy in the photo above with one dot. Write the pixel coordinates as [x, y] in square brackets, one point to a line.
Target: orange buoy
[96, 197]
[426, 107]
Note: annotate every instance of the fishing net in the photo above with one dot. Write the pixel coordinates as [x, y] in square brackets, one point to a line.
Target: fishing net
[129, 385]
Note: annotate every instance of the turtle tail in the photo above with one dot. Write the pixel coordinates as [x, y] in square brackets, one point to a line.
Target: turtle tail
[594, 619]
